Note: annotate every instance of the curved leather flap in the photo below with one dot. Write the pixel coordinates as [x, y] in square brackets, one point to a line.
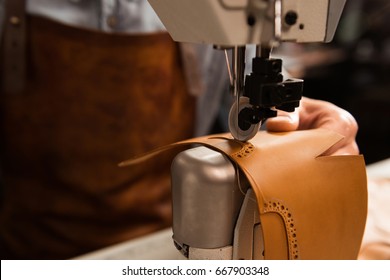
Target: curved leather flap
[321, 200]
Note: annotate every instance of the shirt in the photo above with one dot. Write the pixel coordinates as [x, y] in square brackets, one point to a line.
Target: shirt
[128, 16]
[205, 67]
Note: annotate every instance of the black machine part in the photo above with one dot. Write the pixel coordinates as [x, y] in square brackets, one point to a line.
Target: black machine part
[267, 91]
[263, 93]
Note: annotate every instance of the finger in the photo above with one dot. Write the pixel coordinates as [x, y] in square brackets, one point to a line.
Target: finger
[283, 122]
[343, 148]
[316, 114]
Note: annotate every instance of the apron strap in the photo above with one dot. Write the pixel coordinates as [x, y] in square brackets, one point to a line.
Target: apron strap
[14, 47]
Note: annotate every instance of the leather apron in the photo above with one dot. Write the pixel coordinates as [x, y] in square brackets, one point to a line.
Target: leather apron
[91, 99]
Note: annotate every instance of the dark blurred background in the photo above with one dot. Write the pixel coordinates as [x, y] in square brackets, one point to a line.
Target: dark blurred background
[354, 73]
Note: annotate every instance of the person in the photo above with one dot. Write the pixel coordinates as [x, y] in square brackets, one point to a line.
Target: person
[96, 92]
[352, 72]
[314, 113]
[104, 81]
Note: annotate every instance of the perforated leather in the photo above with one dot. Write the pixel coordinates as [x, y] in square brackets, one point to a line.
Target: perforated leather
[311, 206]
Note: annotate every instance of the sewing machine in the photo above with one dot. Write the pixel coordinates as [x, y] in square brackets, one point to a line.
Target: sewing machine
[215, 214]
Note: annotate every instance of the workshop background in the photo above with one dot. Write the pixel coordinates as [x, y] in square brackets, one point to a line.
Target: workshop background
[356, 73]
[352, 71]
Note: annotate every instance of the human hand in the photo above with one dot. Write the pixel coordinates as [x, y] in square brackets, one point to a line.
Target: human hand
[314, 113]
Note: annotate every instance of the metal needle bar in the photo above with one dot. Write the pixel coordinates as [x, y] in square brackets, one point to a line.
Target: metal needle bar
[238, 74]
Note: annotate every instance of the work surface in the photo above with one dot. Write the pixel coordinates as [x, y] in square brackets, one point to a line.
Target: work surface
[155, 246]
[159, 245]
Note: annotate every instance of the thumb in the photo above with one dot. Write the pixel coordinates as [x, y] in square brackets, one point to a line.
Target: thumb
[283, 122]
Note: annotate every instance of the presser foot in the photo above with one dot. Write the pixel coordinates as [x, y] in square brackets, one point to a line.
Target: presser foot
[243, 121]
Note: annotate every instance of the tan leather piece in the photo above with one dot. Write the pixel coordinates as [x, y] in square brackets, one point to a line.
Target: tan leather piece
[90, 98]
[375, 251]
[376, 239]
[322, 200]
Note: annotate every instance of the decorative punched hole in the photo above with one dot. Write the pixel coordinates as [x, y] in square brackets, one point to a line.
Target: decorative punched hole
[273, 206]
[245, 151]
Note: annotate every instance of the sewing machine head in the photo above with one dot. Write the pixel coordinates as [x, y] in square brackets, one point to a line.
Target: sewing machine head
[229, 228]
[264, 23]
[242, 22]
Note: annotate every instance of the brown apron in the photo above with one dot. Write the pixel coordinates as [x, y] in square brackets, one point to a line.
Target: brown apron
[91, 100]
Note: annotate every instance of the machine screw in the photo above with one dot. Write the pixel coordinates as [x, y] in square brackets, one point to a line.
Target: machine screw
[291, 17]
[251, 20]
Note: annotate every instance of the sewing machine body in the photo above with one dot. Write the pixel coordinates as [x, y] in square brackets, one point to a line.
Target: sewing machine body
[215, 213]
